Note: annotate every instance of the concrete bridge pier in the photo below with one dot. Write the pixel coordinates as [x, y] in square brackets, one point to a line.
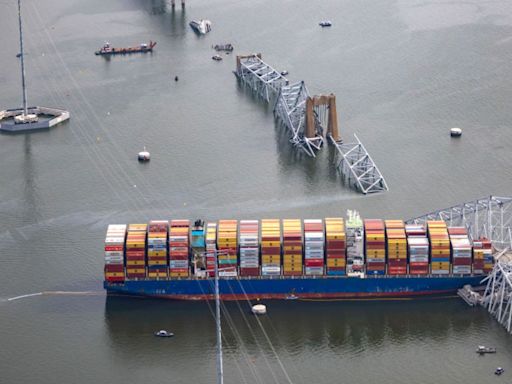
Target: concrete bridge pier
[173, 4]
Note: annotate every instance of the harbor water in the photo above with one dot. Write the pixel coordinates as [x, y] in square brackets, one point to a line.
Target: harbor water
[404, 73]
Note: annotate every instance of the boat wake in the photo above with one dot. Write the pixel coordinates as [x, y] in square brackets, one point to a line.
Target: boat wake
[58, 293]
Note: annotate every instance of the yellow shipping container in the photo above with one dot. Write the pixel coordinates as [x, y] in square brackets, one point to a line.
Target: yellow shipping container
[135, 270]
[338, 262]
[157, 262]
[268, 259]
[442, 265]
[114, 274]
[135, 262]
[178, 274]
[137, 227]
[157, 253]
[288, 248]
[157, 274]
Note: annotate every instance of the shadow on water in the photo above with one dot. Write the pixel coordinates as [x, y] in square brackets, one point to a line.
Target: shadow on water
[293, 326]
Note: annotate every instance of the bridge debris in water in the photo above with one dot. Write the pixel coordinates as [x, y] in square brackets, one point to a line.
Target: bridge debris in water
[310, 120]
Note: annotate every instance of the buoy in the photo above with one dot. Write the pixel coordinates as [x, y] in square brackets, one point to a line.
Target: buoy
[455, 132]
[144, 155]
[259, 309]
[176, 78]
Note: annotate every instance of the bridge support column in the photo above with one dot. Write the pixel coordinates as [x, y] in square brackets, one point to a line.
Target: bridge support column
[310, 119]
[332, 125]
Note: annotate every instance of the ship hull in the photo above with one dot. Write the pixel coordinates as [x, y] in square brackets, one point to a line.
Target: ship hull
[295, 288]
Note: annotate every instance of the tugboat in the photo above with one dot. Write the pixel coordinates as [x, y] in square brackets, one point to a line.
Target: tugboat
[481, 350]
[142, 48]
[163, 333]
[202, 27]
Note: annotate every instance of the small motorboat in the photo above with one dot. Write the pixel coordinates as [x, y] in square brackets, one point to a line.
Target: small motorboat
[144, 155]
[325, 23]
[455, 132]
[499, 371]
[163, 333]
[482, 349]
[216, 57]
[201, 26]
[284, 73]
[223, 47]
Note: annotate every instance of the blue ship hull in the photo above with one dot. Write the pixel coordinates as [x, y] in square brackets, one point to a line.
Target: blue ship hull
[325, 287]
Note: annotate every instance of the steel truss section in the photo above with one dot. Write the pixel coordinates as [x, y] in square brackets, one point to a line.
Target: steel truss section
[497, 297]
[356, 165]
[489, 217]
[264, 80]
[290, 111]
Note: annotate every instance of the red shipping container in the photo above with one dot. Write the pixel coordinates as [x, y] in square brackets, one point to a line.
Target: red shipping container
[270, 250]
[335, 268]
[178, 269]
[313, 262]
[118, 279]
[397, 262]
[110, 248]
[114, 268]
[376, 264]
[249, 271]
[135, 275]
[419, 264]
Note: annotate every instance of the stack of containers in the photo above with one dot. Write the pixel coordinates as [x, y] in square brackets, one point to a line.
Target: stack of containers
[270, 247]
[335, 246]
[197, 241]
[292, 247]
[355, 243]
[136, 251]
[249, 248]
[375, 246]
[114, 253]
[482, 256]
[396, 242]
[179, 247]
[439, 247]
[314, 241]
[211, 248]
[461, 250]
[227, 245]
[418, 248]
[157, 249]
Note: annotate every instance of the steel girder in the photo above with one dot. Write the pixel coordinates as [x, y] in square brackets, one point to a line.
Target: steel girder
[290, 111]
[489, 217]
[355, 163]
[264, 80]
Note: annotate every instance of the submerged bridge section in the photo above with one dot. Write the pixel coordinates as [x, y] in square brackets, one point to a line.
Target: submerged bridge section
[497, 297]
[489, 217]
[310, 121]
[354, 162]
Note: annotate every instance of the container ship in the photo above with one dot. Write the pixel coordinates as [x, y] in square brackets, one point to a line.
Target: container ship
[331, 258]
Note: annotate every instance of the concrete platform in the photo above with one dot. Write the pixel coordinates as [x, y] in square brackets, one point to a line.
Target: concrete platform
[48, 117]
